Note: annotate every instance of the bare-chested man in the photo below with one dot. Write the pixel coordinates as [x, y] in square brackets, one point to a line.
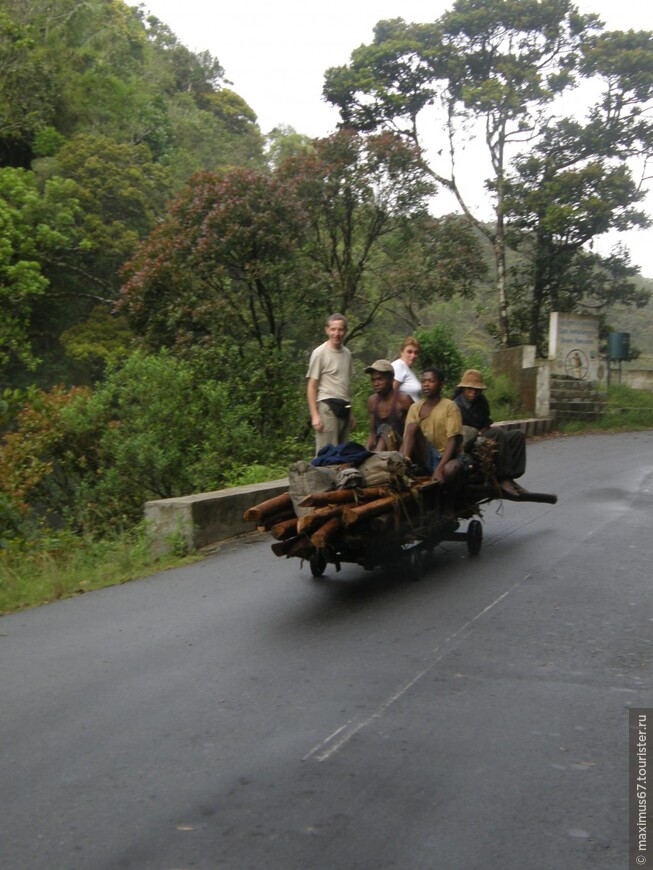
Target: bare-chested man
[387, 408]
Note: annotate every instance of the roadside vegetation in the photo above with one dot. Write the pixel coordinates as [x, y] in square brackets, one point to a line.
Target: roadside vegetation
[628, 410]
[52, 565]
[59, 566]
[166, 266]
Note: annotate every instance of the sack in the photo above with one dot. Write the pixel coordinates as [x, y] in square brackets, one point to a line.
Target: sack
[387, 467]
[349, 478]
[304, 478]
[340, 407]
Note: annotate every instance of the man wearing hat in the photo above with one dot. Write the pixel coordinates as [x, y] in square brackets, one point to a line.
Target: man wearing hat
[387, 408]
[510, 456]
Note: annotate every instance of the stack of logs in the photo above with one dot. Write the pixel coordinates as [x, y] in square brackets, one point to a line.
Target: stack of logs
[334, 512]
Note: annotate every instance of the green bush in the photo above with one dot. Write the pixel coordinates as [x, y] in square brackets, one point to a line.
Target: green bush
[503, 397]
[438, 348]
[157, 427]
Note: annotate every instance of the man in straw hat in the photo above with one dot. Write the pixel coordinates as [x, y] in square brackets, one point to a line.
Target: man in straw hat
[510, 456]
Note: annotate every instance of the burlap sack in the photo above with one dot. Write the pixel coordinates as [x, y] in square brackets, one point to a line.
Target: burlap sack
[304, 478]
[385, 468]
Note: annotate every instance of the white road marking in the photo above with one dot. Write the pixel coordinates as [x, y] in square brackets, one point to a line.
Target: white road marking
[338, 738]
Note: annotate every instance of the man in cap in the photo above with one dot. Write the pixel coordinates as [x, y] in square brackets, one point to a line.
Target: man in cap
[387, 408]
[510, 456]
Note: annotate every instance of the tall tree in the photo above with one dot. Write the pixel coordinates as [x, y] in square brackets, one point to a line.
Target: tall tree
[359, 192]
[258, 256]
[494, 66]
[584, 177]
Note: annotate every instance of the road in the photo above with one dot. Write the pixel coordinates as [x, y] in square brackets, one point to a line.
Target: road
[239, 714]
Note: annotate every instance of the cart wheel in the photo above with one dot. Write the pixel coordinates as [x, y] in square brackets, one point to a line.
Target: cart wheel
[418, 561]
[318, 563]
[474, 537]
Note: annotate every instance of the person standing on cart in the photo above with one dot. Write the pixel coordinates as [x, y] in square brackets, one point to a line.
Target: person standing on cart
[434, 431]
[510, 455]
[387, 408]
[327, 386]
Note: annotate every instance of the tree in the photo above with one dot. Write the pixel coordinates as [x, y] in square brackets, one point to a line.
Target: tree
[579, 182]
[369, 232]
[225, 263]
[262, 256]
[26, 92]
[34, 225]
[499, 65]
[283, 142]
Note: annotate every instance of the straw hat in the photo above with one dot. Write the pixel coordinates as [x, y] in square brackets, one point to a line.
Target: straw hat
[472, 378]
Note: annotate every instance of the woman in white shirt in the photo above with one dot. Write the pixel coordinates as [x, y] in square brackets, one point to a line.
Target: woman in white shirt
[405, 379]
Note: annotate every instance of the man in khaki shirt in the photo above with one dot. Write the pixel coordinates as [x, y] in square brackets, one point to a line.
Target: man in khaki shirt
[327, 386]
[434, 431]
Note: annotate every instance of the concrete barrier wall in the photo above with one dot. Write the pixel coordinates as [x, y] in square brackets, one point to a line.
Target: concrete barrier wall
[197, 521]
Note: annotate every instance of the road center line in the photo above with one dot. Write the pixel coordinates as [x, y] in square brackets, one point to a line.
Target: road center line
[338, 738]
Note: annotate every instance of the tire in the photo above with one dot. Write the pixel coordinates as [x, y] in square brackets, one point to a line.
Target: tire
[318, 563]
[474, 537]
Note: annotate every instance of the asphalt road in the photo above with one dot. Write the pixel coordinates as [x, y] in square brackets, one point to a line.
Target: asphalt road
[239, 714]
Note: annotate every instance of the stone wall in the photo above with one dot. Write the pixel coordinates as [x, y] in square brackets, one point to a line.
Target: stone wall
[200, 520]
[531, 377]
[639, 379]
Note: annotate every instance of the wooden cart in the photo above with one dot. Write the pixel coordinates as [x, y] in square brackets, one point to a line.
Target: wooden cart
[380, 525]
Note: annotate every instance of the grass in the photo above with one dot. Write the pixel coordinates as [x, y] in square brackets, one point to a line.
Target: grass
[55, 568]
[627, 410]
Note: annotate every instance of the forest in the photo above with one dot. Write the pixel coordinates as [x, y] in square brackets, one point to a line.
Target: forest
[166, 266]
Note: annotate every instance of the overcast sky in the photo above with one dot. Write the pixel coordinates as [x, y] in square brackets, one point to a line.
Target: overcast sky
[275, 53]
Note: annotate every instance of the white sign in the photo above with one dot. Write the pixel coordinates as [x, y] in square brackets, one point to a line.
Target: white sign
[574, 345]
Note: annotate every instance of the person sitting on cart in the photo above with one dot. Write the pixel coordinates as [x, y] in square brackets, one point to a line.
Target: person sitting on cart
[387, 408]
[434, 432]
[510, 455]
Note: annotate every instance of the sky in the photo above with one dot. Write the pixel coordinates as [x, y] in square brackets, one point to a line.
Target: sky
[275, 54]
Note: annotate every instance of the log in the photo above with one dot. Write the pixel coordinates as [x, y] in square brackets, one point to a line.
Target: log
[266, 525]
[300, 547]
[539, 497]
[282, 547]
[351, 515]
[265, 509]
[326, 532]
[309, 522]
[344, 496]
[284, 529]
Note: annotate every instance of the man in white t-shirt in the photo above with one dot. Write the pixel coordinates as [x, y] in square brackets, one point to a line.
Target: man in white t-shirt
[327, 386]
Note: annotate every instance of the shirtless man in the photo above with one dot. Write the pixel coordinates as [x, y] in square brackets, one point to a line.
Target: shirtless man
[387, 408]
[434, 430]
